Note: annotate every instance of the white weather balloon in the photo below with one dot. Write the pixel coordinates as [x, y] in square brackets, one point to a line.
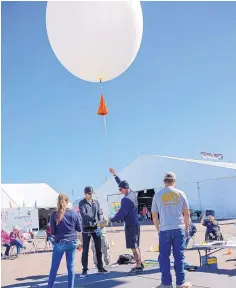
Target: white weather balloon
[95, 39]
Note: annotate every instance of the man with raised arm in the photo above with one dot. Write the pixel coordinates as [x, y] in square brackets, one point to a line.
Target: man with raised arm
[170, 213]
[128, 213]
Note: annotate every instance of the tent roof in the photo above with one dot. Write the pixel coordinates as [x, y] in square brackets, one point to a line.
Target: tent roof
[213, 163]
[20, 195]
[147, 172]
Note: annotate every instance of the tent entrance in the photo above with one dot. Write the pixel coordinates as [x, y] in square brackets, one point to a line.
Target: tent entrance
[145, 200]
[44, 217]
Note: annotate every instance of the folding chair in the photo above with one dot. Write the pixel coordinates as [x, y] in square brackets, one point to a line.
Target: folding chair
[48, 244]
[22, 250]
[30, 244]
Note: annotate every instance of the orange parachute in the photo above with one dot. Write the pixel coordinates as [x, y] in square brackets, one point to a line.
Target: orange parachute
[102, 108]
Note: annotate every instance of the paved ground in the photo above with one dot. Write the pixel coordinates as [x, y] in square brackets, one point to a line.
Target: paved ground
[32, 270]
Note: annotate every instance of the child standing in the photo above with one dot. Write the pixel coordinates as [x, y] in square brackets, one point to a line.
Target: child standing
[105, 243]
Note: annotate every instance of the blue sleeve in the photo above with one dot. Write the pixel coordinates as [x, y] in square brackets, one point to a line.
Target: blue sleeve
[78, 223]
[117, 179]
[53, 223]
[124, 207]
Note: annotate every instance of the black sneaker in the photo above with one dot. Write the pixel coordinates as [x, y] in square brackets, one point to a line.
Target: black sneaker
[102, 270]
[84, 274]
[136, 270]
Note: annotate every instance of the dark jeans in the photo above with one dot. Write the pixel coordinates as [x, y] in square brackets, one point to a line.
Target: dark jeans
[18, 244]
[176, 239]
[7, 245]
[87, 234]
[69, 248]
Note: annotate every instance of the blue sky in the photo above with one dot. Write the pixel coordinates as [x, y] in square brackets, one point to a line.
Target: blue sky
[177, 99]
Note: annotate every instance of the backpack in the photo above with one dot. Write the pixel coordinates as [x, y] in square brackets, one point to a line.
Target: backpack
[125, 259]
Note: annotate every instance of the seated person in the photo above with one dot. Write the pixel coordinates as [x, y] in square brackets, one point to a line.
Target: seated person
[5, 243]
[17, 239]
[212, 227]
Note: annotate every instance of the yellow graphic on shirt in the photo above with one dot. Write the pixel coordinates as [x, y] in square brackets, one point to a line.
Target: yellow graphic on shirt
[170, 198]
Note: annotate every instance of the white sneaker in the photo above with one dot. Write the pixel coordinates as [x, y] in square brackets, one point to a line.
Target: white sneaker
[84, 274]
[5, 257]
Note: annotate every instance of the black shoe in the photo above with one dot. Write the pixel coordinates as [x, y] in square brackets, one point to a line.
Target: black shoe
[84, 274]
[136, 270]
[102, 270]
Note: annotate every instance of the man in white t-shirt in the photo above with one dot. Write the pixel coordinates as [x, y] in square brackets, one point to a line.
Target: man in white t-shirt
[170, 213]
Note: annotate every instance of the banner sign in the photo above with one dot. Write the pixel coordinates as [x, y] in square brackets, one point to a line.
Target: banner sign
[115, 206]
[207, 155]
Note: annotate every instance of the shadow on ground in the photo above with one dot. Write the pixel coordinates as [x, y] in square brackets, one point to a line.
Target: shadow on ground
[110, 279]
[218, 271]
[36, 277]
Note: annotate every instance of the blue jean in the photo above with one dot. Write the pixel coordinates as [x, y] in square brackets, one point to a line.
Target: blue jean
[58, 251]
[175, 239]
[18, 244]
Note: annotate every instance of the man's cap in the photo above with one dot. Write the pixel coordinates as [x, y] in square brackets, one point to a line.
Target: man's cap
[124, 185]
[88, 190]
[170, 176]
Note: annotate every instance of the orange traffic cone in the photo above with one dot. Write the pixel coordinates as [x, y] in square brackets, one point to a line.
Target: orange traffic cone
[229, 252]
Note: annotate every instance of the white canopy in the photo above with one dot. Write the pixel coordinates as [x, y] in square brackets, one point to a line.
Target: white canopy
[28, 195]
[208, 184]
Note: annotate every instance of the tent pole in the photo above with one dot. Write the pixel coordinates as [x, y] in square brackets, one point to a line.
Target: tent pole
[10, 198]
[199, 195]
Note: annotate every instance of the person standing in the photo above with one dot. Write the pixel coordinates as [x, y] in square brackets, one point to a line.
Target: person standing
[128, 213]
[104, 243]
[145, 213]
[49, 236]
[172, 224]
[91, 214]
[65, 224]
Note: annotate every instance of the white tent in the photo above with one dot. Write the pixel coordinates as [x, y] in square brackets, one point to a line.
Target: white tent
[208, 184]
[28, 195]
